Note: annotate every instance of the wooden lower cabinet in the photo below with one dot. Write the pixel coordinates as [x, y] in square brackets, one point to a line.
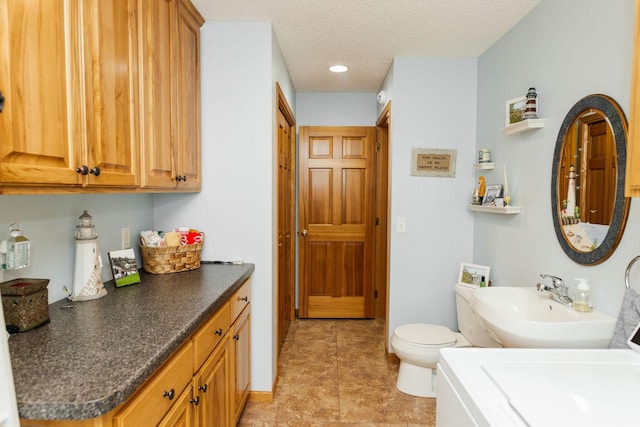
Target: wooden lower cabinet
[204, 384]
[182, 412]
[212, 386]
[242, 370]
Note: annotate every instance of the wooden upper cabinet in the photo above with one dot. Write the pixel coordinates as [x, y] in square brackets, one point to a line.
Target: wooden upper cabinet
[111, 91]
[632, 181]
[40, 125]
[170, 71]
[69, 85]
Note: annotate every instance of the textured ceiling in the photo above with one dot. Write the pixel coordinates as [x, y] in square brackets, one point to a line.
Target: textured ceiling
[366, 35]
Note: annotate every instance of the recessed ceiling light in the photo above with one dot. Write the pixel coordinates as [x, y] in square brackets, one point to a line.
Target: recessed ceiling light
[338, 68]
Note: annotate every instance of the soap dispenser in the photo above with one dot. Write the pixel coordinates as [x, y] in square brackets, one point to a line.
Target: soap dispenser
[582, 300]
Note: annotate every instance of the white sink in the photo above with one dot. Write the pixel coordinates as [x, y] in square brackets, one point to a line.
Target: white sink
[527, 318]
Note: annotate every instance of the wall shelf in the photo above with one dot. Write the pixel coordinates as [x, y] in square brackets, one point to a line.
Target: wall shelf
[507, 210]
[524, 126]
[485, 166]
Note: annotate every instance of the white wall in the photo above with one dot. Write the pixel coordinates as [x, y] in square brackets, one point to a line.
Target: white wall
[49, 222]
[433, 106]
[566, 49]
[236, 206]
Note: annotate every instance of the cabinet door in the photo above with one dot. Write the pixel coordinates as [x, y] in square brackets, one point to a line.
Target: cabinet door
[158, 24]
[40, 126]
[181, 413]
[111, 95]
[632, 183]
[213, 388]
[188, 101]
[241, 354]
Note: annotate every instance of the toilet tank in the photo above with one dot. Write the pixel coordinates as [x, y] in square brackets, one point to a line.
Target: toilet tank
[468, 324]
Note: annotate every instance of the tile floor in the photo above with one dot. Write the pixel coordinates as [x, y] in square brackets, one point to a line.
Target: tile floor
[335, 373]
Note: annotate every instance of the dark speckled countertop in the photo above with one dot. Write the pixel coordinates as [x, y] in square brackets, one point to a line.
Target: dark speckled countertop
[93, 356]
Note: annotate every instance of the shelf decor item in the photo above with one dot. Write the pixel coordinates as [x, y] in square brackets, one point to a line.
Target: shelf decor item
[493, 191]
[514, 110]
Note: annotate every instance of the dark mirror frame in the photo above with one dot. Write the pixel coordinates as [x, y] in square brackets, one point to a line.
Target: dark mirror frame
[616, 118]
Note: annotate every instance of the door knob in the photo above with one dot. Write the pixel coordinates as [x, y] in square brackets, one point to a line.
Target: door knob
[304, 233]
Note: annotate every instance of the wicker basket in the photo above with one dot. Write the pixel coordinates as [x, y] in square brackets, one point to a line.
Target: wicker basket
[171, 259]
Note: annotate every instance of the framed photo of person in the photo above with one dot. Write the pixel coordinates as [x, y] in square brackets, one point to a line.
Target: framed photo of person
[492, 192]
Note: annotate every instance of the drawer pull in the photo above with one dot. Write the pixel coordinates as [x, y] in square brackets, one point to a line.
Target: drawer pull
[95, 171]
[245, 299]
[195, 401]
[203, 388]
[218, 332]
[169, 394]
[84, 170]
[236, 337]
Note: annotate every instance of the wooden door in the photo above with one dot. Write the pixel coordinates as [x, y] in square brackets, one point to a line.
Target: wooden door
[601, 173]
[286, 214]
[111, 91]
[41, 123]
[181, 413]
[337, 221]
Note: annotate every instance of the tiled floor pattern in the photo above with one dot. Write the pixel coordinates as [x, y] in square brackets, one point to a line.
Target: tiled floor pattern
[335, 373]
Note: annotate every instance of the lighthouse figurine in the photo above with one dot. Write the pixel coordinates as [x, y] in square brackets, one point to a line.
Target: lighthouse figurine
[87, 281]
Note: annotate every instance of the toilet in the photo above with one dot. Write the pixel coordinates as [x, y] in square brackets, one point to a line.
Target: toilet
[418, 345]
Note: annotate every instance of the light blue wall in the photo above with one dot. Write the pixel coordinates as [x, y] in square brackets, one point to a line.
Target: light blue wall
[336, 109]
[433, 106]
[566, 49]
[240, 63]
[49, 222]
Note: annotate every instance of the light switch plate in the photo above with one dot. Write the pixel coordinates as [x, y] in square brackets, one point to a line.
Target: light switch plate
[401, 225]
[126, 238]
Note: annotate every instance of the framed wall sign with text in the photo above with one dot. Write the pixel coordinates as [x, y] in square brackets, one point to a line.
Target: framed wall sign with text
[433, 162]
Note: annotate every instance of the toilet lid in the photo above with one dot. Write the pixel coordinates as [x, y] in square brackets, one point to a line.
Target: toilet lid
[421, 333]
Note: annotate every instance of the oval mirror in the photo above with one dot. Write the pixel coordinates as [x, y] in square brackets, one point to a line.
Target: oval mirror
[587, 183]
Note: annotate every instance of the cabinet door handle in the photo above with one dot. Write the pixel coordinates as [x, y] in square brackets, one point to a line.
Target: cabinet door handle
[169, 394]
[84, 170]
[236, 337]
[95, 171]
[245, 299]
[218, 332]
[1, 102]
[203, 388]
[195, 401]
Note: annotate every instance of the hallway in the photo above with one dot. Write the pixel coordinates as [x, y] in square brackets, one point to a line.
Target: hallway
[335, 373]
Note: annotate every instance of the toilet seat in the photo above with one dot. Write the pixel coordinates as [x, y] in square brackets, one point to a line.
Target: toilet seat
[426, 334]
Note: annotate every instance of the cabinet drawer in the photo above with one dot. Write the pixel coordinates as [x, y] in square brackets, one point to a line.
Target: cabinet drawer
[209, 335]
[240, 299]
[157, 396]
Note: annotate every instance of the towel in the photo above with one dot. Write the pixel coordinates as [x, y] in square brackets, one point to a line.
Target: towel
[628, 319]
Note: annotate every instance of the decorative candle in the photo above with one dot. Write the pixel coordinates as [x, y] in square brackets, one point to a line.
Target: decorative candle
[506, 183]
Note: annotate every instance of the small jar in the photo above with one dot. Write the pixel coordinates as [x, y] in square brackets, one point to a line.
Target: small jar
[484, 156]
[582, 298]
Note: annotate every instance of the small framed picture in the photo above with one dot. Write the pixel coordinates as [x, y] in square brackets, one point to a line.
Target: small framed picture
[499, 202]
[472, 274]
[493, 192]
[124, 267]
[514, 110]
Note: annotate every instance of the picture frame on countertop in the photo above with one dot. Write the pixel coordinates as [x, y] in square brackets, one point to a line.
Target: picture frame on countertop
[124, 267]
[471, 274]
[492, 192]
[515, 110]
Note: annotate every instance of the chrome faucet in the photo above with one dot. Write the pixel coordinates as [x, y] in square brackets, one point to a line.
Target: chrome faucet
[558, 290]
